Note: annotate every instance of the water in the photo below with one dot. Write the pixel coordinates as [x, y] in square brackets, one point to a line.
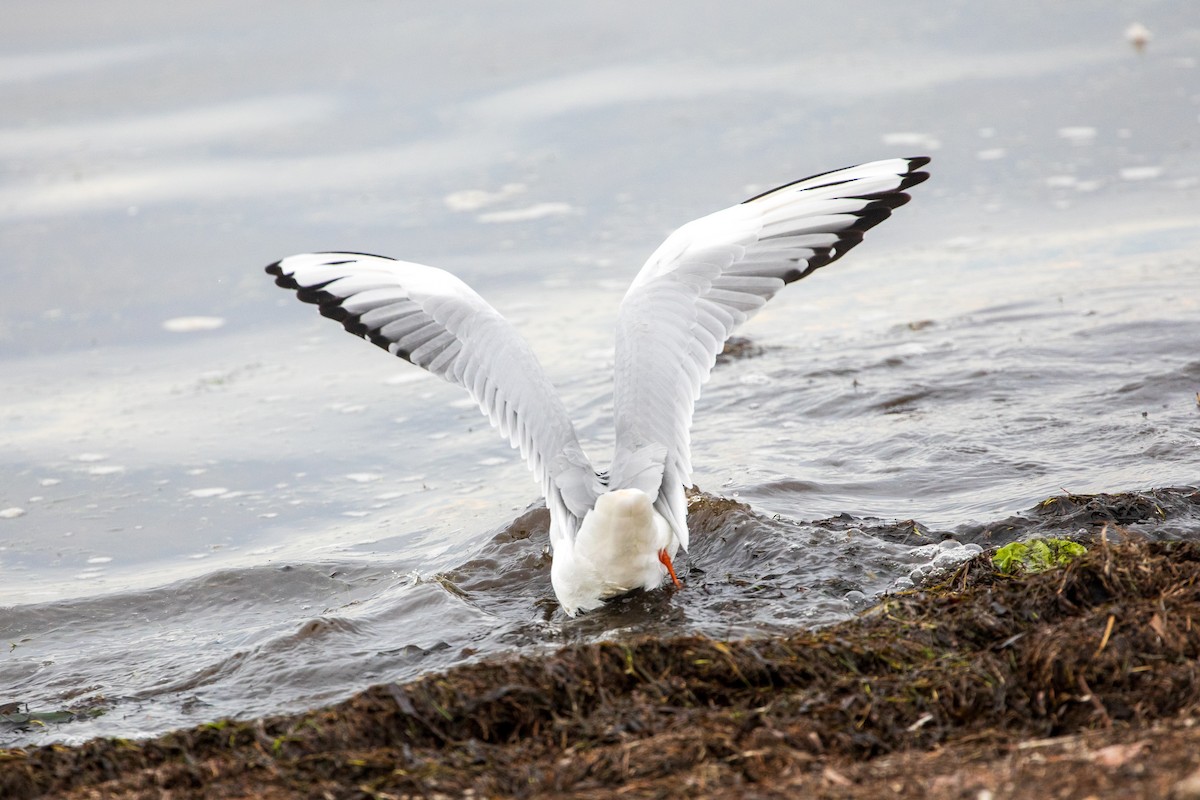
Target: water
[213, 503]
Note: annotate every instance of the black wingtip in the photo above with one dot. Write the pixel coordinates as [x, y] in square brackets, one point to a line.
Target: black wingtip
[315, 294]
[912, 179]
[276, 268]
[907, 179]
[350, 253]
[893, 201]
[282, 279]
[871, 218]
[332, 311]
[330, 305]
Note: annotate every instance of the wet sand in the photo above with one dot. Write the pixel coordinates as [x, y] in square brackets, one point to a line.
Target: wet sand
[1077, 682]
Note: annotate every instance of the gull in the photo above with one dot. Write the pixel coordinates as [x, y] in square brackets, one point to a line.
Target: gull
[618, 530]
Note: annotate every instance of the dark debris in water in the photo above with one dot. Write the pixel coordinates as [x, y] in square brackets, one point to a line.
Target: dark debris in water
[737, 348]
[909, 531]
[1080, 680]
[18, 716]
[1169, 513]
[1126, 508]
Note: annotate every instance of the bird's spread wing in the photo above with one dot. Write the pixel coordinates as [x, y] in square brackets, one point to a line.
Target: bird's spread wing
[432, 319]
[706, 278]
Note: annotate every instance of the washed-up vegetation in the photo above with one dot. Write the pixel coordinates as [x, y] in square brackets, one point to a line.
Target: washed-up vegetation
[1080, 678]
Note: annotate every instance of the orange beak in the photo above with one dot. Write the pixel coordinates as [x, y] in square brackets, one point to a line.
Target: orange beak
[666, 562]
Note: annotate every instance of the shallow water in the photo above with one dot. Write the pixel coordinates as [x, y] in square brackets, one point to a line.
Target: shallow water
[213, 503]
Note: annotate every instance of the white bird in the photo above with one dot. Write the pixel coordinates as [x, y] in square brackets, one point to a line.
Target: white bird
[616, 531]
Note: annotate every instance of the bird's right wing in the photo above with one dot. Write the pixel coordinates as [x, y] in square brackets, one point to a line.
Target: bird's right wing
[432, 319]
[710, 276]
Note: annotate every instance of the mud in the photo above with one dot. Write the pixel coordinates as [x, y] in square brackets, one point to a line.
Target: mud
[1077, 682]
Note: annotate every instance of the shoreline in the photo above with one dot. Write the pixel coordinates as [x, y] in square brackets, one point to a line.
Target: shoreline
[1075, 682]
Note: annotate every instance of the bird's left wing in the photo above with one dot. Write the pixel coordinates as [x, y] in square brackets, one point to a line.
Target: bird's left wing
[432, 319]
[706, 278]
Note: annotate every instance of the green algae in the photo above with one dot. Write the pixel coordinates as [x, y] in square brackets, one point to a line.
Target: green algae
[1036, 555]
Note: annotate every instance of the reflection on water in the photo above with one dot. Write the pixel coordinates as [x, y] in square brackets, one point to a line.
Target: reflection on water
[212, 503]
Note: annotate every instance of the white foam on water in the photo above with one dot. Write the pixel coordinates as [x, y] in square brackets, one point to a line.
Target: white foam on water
[475, 199]
[193, 324]
[1141, 173]
[923, 141]
[1078, 134]
[529, 213]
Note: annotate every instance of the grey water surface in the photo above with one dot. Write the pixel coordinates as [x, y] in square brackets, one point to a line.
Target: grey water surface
[214, 502]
